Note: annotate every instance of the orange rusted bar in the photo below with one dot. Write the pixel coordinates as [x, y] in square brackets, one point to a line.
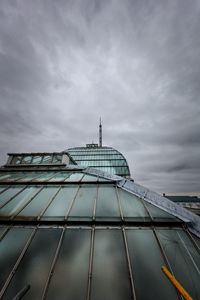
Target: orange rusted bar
[175, 282]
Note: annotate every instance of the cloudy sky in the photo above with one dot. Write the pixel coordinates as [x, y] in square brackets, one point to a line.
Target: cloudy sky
[135, 63]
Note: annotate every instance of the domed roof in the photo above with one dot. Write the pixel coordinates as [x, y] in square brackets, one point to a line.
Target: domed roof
[106, 159]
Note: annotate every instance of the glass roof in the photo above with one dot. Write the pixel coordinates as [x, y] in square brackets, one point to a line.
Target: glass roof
[102, 158]
[69, 234]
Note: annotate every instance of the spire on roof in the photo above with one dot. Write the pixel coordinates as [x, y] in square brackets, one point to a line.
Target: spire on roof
[100, 134]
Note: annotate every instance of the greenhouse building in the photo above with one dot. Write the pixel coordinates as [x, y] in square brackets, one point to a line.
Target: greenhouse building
[74, 225]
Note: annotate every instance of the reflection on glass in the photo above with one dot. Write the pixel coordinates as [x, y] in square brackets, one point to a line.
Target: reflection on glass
[60, 205]
[10, 248]
[107, 205]
[18, 202]
[38, 203]
[35, 265]
[70, 276]
[183, 258]
[110, 278]
[5, 196]
[132, 206]
[146, 261]
[75, 177]
[84, 202]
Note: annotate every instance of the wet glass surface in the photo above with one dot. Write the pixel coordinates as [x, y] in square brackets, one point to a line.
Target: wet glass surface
[110, 278]
[107, 203]
[70, 277]
[60, 205]
[183, 258]
[84, 203]
[146, 262]
[35, 265]
[16, 204]
[10, 248]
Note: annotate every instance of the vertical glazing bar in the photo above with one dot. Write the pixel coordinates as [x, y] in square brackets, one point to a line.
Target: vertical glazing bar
[90, 263]
[192, 240]
[164, 255]
[119, 204]
[71, 205]
[129, 264]
[189, 254]
[95, 203]
[53, 264]
[49, 203]
[18, 262]
[5, 232]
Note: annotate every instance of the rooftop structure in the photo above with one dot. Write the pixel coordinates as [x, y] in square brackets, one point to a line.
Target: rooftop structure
[70, 231]
[102, 158]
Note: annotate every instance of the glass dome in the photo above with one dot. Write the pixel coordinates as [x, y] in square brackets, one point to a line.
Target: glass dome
[106, 159]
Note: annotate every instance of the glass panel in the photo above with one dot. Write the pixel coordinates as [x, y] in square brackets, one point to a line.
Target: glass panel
[57, 158]
[16, 160]
[47, 159]
[5, 196]
[4, 176]
[61, 176]
[2, 188]
[36, 159]
[75, 177]
[29, 176]
[38, 203]
[183, 258]
[35, 265]
[132, 207]
[26, 159]
[158, 213]
[18, 202]
[107, 205]
[89, 178]
[70, 276]
[10, 248]
[45, 176]
[60, 205]
[110, 278]
[84, 203]
[146, 261]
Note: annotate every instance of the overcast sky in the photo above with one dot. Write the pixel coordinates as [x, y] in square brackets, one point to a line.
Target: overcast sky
[135, 63]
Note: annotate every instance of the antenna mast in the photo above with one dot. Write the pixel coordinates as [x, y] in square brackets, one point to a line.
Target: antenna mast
[100, 134]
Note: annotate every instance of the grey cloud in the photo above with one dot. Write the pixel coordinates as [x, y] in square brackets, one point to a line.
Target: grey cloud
[135, 63]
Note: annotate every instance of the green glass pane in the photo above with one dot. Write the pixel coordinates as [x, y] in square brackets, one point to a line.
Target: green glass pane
[75, 177]
[146, 262]
[183, 258]
[110, 278]
[84, 203]
[18, 202]
[132, 207]
[70, 276]
[9, 193]
[39, 202]
[61, 204]
[107, 205]
[159, 214]
[10, 248]
[35, 265]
